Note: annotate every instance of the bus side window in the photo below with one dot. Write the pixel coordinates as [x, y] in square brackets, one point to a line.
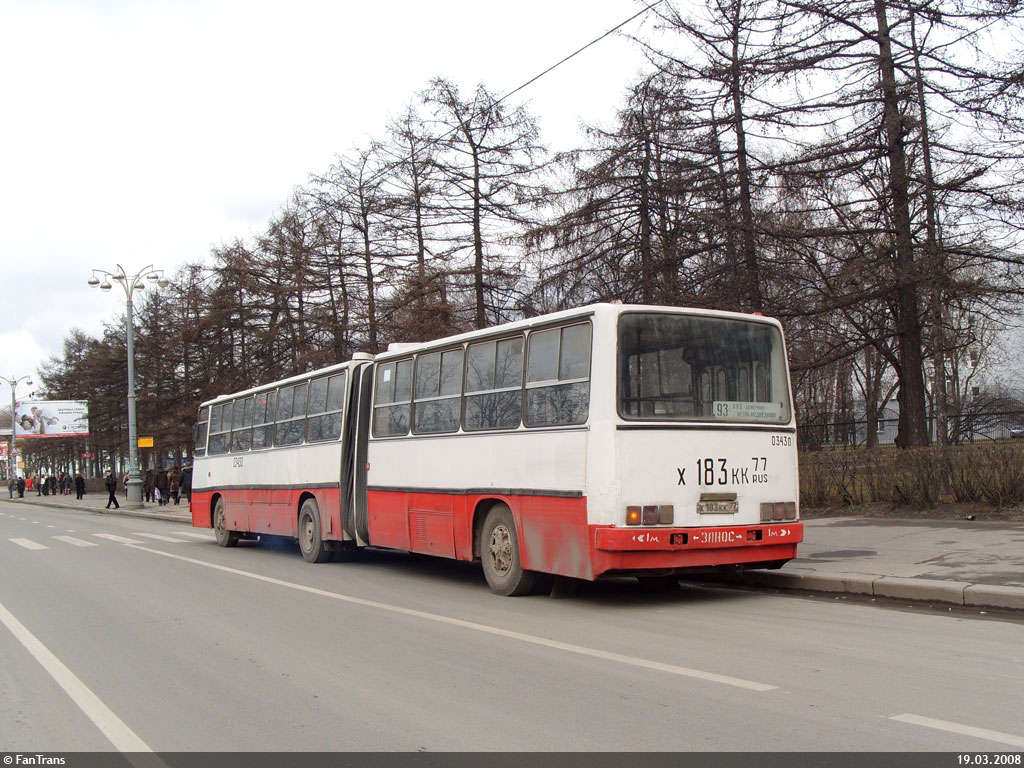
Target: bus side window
[392, 399]
[220, 429]
[202, 427]
[326, 399]
[438, 385]
[291, 415]
[263, 420]
[558, 376]
[494, 381]
[241, 432]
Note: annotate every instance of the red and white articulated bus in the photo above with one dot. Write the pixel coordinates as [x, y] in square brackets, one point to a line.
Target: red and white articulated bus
[610, 439]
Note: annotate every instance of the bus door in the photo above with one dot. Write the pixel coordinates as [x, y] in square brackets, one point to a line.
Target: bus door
[357, 427]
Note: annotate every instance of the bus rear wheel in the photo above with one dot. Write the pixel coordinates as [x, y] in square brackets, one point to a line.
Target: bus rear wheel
[225, 537]
[499, 553]
[311, 542]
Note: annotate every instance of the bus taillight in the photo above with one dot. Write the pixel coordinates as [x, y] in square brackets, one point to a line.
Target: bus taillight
[650, 514]
[774, 512]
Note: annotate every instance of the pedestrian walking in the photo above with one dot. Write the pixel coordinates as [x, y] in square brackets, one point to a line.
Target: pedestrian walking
[186, 483]
[21, 487]
[111, 484]
[79, 485]
[11, 485]
[174, 483]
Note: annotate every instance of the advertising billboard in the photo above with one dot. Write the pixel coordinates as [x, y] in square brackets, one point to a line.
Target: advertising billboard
[51, 418]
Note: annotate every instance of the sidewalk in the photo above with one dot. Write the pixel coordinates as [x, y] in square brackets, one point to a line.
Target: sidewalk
[97, 502]
[973, 564]
[979, 565]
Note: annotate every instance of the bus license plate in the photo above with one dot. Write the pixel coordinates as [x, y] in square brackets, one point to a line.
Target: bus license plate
[717, 507]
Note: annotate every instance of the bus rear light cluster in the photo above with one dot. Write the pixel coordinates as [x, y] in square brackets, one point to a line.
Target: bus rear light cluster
[777, 511]
[650, 514]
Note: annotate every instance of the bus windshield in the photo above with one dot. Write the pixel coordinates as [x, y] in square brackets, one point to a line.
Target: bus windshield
[691, 368]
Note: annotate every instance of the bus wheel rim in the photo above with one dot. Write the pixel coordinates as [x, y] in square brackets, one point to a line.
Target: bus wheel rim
[307, 532]
[501, 549]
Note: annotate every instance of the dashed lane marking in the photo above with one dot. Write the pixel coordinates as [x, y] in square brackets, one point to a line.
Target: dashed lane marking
[964, 730]
[28, 544]
[76, 542]
[118, 539]
[160, 537]
[196, 535]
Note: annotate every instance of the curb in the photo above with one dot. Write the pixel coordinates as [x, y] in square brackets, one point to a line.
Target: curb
[893, 588]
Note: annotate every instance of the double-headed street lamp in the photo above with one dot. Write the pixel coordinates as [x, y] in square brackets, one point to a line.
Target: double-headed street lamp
[130, 284]
[14, 384]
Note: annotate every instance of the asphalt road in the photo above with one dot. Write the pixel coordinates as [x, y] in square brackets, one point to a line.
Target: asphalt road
[139, 634]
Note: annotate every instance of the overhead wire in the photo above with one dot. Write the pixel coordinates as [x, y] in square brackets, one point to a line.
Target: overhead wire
[596, 40]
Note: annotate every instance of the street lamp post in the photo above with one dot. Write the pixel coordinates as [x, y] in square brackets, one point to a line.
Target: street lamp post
[130, 284]
[14, 382]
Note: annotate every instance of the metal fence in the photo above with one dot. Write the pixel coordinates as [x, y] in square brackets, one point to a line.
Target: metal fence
[963, 427]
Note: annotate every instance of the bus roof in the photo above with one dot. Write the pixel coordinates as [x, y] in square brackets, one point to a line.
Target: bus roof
[284, 382]
[406, 349]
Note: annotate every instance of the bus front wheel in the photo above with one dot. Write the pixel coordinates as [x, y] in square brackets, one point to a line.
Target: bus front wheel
[225, 537]
[311, 542]
[499, 552]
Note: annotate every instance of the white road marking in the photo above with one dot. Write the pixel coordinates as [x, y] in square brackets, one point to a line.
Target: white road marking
[195, 535]
[76, 542]
[120, 735]
[28, 544]
[160, 537]
[118, 539]
[965, 730]
[472, 625]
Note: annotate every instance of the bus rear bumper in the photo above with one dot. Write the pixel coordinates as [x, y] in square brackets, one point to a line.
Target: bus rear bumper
[635, 539]
[640, 549]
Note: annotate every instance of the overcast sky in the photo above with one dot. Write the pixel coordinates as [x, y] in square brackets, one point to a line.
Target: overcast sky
[139, 132]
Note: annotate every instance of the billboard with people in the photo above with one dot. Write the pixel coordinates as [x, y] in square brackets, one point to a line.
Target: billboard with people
[51, 418]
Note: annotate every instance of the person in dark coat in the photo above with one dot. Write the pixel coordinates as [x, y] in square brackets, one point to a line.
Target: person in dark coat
[21, 487]
[79, 485]
[162, 485]
[186, 483]
[111, 484]
[174, 483]
[147, 486]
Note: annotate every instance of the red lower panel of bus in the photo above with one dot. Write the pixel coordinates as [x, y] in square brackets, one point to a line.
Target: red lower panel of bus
[268, 511]
[554, 536]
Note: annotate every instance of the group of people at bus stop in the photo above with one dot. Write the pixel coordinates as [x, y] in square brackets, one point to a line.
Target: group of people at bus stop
[161, 486]
[164, 487]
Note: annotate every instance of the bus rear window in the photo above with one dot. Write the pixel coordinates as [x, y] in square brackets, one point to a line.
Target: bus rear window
[692, 368]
